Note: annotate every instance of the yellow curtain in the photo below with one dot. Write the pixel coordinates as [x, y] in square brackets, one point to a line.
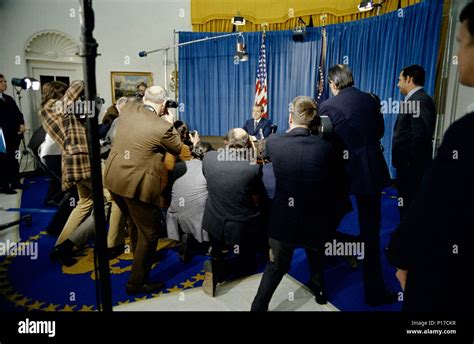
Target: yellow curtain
[215, 16]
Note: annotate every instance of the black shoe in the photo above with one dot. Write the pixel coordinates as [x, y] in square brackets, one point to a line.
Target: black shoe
[146, 288]
[318, 291]
[211, 278]
[64, 253]
[7, 190]
[116, 251]
[386, 298]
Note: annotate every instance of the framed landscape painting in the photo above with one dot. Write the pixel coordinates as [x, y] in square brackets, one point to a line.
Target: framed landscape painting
[124, 84]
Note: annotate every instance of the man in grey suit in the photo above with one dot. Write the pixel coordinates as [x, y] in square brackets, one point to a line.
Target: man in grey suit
[135, 175]
[414, 128]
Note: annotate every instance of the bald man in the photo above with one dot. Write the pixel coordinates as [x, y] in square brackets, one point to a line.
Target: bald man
[135, 176]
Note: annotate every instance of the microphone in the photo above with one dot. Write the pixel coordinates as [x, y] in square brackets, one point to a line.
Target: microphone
[142, 53]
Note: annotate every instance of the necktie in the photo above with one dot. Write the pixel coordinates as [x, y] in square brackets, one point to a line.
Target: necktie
[255, 123]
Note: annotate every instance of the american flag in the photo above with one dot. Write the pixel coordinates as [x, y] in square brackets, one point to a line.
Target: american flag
[320, 86]
[261, 83]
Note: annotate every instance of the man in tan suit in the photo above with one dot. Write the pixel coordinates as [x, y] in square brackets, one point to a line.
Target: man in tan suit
[135, 175]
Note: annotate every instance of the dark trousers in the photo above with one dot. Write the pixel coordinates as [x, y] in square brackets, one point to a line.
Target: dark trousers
[10, 170]
[143, 225]
[408, 184]
[281, 255]
[241, 263]
[369, 211]
[53, 162]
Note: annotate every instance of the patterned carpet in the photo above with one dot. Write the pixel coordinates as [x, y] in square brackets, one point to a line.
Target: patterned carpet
[41, 285]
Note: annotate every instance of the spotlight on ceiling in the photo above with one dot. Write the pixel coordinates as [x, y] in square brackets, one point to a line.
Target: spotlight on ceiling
[26, 83]
[238, 21]
[366, 6]
[300, 31]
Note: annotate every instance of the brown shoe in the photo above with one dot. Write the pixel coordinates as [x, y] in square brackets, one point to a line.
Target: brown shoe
[146, 288]
[210, 278]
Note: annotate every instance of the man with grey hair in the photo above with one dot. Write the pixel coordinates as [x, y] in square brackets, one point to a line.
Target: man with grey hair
[135, 175]
[307, 206]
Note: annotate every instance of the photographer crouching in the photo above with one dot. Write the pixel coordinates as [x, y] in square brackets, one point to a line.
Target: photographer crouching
[135, 175]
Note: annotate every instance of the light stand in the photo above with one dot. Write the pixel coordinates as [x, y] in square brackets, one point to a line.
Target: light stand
[88, 50]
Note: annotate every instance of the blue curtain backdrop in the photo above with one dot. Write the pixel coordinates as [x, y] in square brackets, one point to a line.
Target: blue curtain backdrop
[218, 94]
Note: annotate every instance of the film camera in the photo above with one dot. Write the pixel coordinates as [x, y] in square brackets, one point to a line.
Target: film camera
[171, 104]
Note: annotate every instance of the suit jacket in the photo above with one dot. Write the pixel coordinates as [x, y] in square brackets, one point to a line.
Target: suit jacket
[411, 143]
[135, 168]
[310, 197]
[264, 124]
[358, 127]
[435, 242]
[10, 120]
[231, 215]
[70, 134]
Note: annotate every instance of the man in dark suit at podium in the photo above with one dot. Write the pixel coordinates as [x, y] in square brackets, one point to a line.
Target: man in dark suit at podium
[258, 127]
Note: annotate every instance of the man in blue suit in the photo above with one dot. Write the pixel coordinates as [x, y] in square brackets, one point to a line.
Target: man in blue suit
[358, 127]
[258, 127]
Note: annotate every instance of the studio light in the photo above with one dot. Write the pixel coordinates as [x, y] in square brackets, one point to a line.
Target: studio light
[238, 20]
[241, 49]
[366, 6]
[26, 83]
[300, 31]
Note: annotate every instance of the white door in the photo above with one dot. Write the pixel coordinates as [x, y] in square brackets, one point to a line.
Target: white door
[52, 71]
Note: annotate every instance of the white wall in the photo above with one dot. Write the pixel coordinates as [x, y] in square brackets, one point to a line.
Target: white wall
[122, 28]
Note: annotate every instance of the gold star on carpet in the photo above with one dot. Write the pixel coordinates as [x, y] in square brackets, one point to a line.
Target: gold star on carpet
[36, 237]
[393, 197]
[35, 306]
[188, 284]
[51, 308]
[86, 308]
[174, 289]
[3, 268]
[198, 277]
[13, 297]
[124, 302]
[157, 295]
[67, 308]
[43, 232]
[141, 298]
[23, 301]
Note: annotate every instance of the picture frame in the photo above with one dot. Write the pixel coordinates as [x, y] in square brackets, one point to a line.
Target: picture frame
[124, 84]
